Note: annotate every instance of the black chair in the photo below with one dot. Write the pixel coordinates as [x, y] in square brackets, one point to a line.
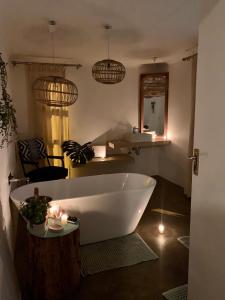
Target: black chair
[31, 152]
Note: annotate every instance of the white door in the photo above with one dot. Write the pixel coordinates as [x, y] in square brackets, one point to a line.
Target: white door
[207, 249]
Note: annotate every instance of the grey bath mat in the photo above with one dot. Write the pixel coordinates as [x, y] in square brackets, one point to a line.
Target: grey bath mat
[115, 253]
[179, 293]
[184, 240]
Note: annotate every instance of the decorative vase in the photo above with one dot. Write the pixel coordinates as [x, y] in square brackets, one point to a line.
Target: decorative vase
[38, 229]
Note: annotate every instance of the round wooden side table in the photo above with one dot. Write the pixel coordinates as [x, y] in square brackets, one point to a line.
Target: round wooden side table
[47, 268]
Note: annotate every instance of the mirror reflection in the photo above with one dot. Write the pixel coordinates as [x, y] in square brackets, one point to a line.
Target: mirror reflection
[154, 103]
[154, 110]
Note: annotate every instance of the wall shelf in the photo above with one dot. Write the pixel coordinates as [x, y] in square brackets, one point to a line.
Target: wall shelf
[106, 160]
[118, 144]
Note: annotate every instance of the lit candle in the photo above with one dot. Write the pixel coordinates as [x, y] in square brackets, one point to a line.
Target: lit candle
[54, 211]
[154, 135]
[100, 151]
[161, 228]
[64, 219]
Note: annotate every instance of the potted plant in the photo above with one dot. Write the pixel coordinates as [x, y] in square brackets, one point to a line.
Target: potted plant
[8, 126]
[35, 212]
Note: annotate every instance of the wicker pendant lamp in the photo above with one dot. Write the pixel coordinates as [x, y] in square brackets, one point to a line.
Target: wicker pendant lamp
[54, 90]
[108, 71]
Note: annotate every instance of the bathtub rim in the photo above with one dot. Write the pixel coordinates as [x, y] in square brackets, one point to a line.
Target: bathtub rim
[154, 182]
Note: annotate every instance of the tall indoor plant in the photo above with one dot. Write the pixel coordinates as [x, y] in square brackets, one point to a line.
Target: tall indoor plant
[8, 124]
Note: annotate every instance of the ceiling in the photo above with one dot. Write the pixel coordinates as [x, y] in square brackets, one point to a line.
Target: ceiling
[141, 29]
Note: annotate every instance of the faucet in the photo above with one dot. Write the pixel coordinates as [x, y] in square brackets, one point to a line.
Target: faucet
[12, 179]
[135, 129]
[136, 150]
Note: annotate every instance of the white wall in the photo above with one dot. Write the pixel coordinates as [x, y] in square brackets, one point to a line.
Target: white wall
[206, 267]
[8, 282]
[107, 112]
[19, 92]
[101, 107]
[173, 163]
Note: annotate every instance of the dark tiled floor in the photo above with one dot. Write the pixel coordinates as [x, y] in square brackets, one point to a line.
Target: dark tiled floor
[149, 279]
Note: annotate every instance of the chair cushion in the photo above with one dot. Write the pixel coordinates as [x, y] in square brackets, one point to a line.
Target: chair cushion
[32, 149]
[47, 173]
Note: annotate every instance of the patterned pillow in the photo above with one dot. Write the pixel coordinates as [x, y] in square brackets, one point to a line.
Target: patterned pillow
[32, 149]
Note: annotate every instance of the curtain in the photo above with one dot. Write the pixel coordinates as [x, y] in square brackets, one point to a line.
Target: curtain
[188, 185]
[59, 130]
[51, 123]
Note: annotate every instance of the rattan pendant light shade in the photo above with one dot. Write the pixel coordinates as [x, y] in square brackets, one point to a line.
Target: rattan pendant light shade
[55, 91]
[108, 71]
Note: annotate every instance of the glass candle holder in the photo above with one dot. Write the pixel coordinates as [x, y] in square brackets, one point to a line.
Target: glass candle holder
[64, 219]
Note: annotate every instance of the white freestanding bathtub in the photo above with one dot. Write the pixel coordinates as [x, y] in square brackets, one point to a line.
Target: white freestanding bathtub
[108, 205]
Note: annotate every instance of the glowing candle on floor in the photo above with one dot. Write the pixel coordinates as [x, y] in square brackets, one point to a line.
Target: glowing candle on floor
[64, 219]
[161, 228]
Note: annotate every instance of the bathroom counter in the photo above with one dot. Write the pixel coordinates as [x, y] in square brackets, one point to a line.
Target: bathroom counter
[106, 160]
[118, 144]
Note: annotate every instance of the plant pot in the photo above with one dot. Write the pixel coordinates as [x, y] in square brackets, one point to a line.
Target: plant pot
[38, 229]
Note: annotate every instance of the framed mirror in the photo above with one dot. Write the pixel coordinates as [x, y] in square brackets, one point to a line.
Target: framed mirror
[153, 105]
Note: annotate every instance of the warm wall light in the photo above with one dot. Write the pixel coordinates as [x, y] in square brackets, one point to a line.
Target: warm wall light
[161, 228]
[100, 151]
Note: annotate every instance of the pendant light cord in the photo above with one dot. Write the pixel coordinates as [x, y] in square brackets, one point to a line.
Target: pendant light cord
[53, 46]
[108, 42]
[52, 37]
[108, 27]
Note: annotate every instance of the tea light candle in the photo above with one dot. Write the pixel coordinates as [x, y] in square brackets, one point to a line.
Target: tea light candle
[64, 218]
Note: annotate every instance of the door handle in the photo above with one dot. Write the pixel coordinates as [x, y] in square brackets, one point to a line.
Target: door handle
[192, 157]
[195, 159]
